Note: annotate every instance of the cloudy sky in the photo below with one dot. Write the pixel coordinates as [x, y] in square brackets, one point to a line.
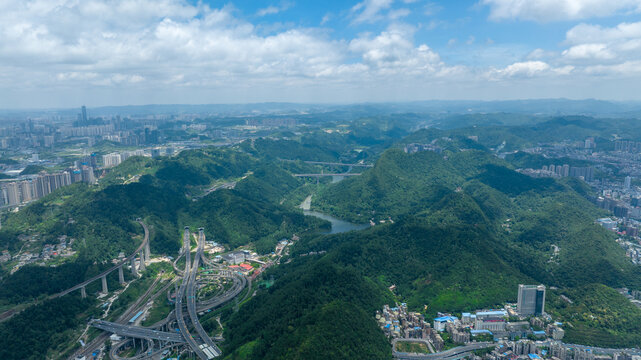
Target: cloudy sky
[59, 53]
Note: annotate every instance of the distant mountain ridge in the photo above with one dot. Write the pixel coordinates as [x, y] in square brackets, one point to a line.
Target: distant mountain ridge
[591, 107]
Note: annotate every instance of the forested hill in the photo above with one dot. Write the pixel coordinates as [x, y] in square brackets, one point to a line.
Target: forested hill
[516, 135]
[466, 229]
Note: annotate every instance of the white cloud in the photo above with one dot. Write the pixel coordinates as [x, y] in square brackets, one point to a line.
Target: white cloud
[627, 68]
[272, 9]
[522, 69]
[432, 8]
[594, 44]
[588, 51]
[398, 13]
[558, 10]
[393, 51]
[327, 17]
[540, 54]
[66, 50]
[370, 10]
[583, 33]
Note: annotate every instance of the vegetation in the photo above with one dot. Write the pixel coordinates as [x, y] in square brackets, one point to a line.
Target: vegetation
[317, 310]
[598, 316]
[467, 229]
[412, 347]
[32, 169]
[456, 231]
[42, 328]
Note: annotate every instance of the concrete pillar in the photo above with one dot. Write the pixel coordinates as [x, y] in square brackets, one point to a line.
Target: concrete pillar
[147, 252]
[133, 266]
[121, 275]
[142, 261]
[83, 292]
[104, 284]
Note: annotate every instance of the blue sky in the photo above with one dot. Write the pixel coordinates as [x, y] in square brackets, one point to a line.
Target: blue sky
[110, 52]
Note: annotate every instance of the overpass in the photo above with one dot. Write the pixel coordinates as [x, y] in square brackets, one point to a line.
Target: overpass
[145, 255]
[137, 331]
[458, 352]
[326, 174]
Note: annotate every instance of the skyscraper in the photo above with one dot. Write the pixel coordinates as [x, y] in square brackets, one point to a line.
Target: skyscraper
[84, 115]
[627, 182]
[531, 300]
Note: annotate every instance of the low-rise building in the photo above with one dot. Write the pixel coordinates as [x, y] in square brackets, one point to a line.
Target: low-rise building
[493, 320]
[441, 321]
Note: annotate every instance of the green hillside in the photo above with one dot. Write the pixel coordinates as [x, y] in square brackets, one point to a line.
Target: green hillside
[466, 230]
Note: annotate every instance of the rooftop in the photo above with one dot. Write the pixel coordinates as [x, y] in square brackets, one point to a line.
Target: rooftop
[445, 318]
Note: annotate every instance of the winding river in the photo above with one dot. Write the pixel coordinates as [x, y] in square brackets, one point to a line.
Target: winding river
[338, 225]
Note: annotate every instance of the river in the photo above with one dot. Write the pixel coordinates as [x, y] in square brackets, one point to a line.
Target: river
[338, 225]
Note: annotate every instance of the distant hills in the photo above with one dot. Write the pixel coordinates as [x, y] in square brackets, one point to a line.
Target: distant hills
[591, 107]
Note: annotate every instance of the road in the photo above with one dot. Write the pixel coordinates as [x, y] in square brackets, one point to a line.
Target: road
[180, 316]
[97, 342]
[191, 297]
[200, 343]
[451, 354]
[137, 331]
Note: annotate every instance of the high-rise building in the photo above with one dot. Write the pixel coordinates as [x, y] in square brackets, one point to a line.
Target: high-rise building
[84, 114]
[13, 195]
[531, 300]
[627, 182]
[26, 191]
[111, 160]
[87, 175]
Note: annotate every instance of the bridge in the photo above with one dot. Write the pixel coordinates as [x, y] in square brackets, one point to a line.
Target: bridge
[145, 255]
[338, 164]
[137, 331]
[330, 163]
[328, 174]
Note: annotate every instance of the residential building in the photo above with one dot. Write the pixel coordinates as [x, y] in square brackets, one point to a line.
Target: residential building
[111, 160]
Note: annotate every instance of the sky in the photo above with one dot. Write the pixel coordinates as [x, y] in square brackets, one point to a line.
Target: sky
[63, 53]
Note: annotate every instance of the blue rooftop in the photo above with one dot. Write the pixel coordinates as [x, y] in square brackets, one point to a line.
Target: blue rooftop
[491, 313]
[533, 356]
[445, 318]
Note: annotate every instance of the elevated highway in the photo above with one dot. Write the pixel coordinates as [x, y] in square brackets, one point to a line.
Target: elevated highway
[451, 354]
[137, 331]
[145, 255]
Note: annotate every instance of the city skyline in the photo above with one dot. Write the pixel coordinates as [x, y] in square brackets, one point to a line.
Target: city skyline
[59, 54]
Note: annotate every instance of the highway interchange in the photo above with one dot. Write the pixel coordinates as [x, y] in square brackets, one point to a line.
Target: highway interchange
[181, 329]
